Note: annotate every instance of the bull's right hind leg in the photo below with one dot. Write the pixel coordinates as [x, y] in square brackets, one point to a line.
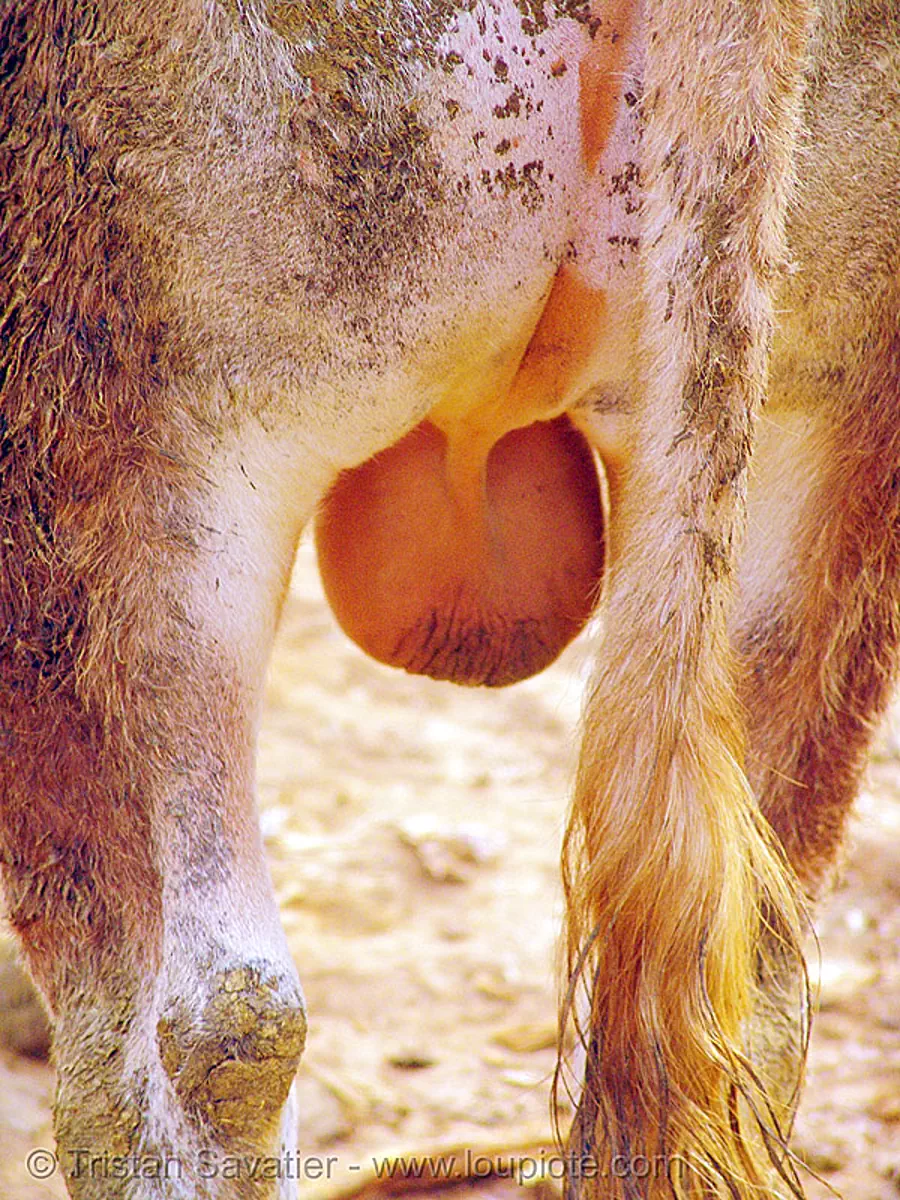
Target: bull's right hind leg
[132, 861]
[817, 626]
[819, 579]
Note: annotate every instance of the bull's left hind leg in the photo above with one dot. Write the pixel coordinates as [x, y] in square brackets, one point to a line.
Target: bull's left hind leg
[132, 861]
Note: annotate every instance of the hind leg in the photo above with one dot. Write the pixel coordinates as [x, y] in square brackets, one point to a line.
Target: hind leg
[132, 862]
[818, 623]
[819, 620]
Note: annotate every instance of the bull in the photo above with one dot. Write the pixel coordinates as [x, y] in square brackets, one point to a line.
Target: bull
[534, 307]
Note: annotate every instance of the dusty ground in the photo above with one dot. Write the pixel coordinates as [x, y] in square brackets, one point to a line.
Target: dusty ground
[413, 832]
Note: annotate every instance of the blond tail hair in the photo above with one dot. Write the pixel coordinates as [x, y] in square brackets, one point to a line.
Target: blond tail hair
[680, 905]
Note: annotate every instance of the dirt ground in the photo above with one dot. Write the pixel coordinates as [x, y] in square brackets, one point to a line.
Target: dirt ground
[413, 831]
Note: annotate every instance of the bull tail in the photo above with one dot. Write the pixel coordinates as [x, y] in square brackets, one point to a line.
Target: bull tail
[682, 913]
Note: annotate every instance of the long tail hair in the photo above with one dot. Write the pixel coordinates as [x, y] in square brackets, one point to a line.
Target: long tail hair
[683, 916]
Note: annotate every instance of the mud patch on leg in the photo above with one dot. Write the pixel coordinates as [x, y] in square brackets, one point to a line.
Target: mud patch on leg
[232, 1067]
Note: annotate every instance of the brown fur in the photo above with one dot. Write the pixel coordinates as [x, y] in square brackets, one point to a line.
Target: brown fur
[246, 245]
